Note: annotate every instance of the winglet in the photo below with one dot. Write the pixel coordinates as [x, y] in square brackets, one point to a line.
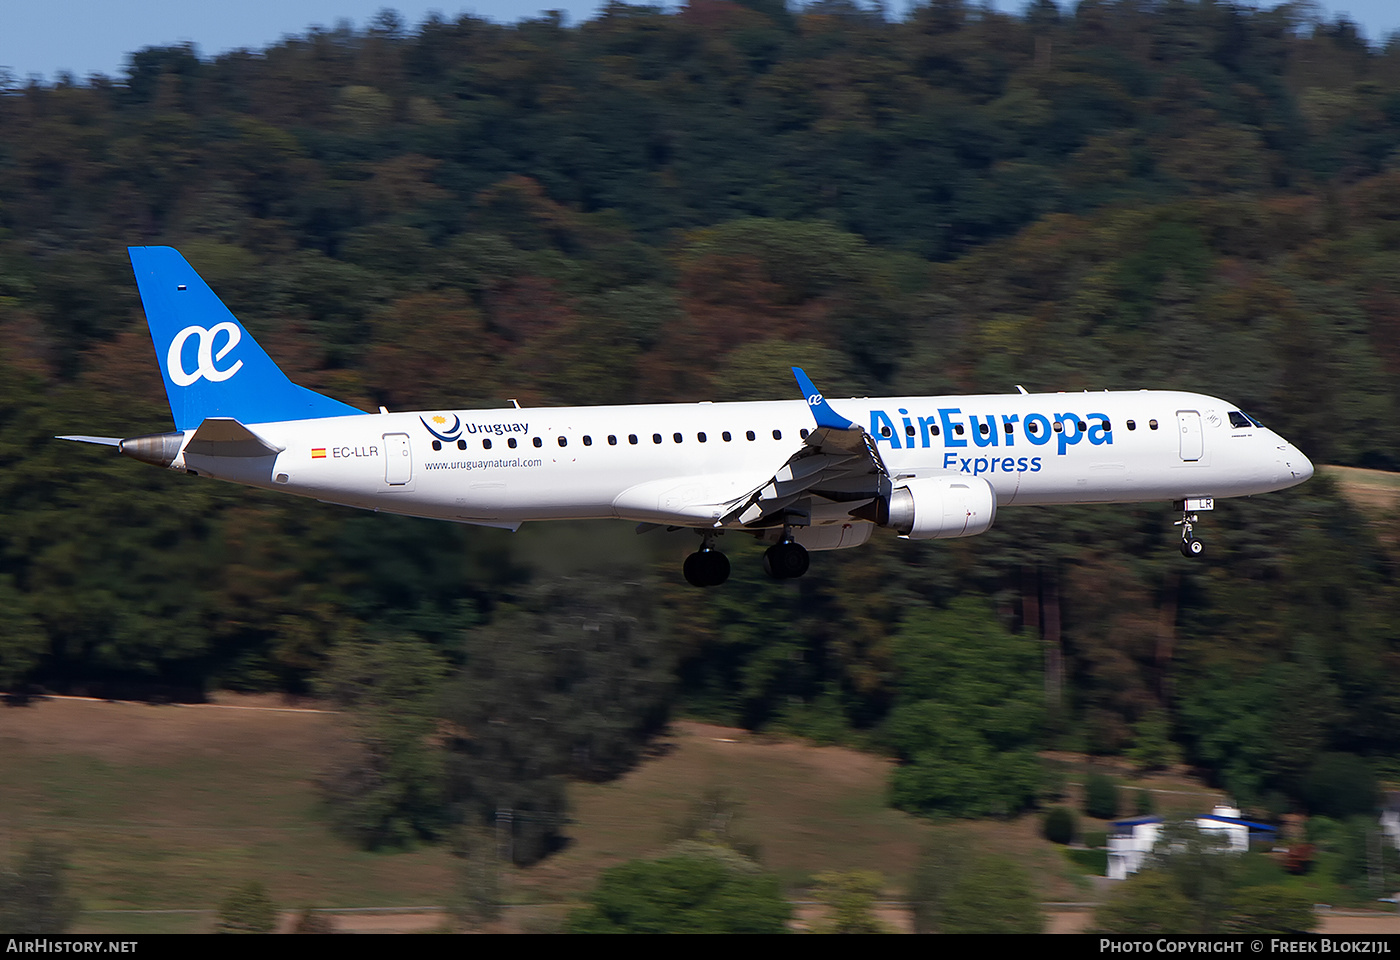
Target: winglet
[821, 410]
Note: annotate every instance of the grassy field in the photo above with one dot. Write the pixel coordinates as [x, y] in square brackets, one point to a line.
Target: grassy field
[1376, 491]
[172, 807]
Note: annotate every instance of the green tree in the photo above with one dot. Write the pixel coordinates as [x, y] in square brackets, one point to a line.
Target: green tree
[683, 895]
[1192, 884]
[849, 899]
[1060, 826]
[314, 922]
[478, 893]
[248, 909]
[391, 790]
[958, 890]
[573, 681]
[1271, 909]
[1101, 796]
[1340, 785]
[1149, 902]
[34, 895]
[968, 713]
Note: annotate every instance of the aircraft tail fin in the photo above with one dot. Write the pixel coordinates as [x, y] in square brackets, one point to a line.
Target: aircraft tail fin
[212, 366]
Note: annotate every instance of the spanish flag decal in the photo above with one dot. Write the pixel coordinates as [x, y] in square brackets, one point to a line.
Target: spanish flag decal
[318, 453]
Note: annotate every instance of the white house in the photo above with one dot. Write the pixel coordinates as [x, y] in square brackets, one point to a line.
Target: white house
[1131, 841]
[1390, 817]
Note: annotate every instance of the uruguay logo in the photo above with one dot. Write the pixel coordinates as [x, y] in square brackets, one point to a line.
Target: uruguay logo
[448, 435]
[205, 357]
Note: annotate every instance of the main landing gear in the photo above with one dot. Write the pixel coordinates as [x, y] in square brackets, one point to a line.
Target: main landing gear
[706, 567]
[787, 559]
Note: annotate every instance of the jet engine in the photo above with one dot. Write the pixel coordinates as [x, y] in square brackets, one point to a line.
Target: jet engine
[936, 508]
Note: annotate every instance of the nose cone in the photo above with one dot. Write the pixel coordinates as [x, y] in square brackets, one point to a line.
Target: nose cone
[1297, 464]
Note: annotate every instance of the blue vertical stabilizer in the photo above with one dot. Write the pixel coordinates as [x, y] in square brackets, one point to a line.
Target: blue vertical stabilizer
[211, 364]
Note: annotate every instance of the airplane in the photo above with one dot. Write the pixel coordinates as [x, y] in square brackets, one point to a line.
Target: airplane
[805, 475]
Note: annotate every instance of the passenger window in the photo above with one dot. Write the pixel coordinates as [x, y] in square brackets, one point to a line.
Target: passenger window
[908, 429]
[1107, 427]
[1033, 428]
[700, 437]
[563, 441]
[1007, 427]
[1132, 424]
[1152, 424]
[1081, 425]
[957, 428]
[511, 443]
[462, 444]
[587, 440]
[437, 444]
[750, 434]
[885, 432]
[486, 444]
[539, 442]
[777, 434]
[676, 437]
[982, 428]
[936, 431]
[726, 436]
[804, 433]
[656, 438]
[1058, 427]
[632, 439]
[612, 440]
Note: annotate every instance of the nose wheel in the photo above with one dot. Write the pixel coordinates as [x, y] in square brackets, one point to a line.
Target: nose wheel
[1191, 547]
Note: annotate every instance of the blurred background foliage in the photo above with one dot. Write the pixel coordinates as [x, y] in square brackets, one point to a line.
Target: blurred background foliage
[675, 206]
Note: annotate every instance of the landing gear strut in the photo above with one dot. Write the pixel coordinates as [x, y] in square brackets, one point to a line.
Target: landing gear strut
[787, 559]
[706, 567]
[1190, 546]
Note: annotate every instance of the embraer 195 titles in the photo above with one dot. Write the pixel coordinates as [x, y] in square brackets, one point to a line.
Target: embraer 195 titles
[804, 475]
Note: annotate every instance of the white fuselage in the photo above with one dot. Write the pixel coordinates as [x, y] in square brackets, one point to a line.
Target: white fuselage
[684, 464]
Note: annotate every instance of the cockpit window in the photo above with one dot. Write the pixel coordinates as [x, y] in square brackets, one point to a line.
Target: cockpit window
[1239, 420]
[1255, 421]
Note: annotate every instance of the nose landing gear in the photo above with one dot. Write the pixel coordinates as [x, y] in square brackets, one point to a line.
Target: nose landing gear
[1190, 546]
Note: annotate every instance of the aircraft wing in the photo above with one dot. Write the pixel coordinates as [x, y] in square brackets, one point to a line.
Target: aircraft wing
[838, 463]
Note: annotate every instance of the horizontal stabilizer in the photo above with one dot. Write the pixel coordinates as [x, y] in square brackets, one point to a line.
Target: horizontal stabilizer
[105, 441]
[226, 437]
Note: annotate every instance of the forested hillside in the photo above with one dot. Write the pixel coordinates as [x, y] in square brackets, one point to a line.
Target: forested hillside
[657, 206]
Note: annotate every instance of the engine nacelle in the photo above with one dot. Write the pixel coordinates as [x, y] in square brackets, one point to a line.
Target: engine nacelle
[940, 508]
